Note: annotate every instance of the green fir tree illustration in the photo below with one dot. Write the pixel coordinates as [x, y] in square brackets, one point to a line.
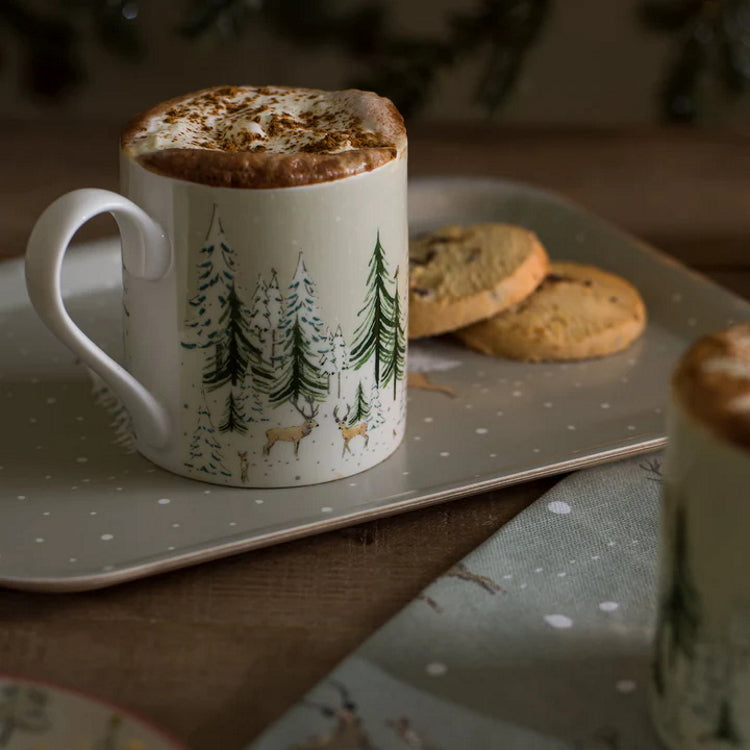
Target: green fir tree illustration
[205, 451]
[229, 362]
[374, 336]
[396, 361]
[339, 356]
[216, 267]
[679, 611]
[274, 316]
[299, 377]
[22, 709]
[361, 407]
[242, 407]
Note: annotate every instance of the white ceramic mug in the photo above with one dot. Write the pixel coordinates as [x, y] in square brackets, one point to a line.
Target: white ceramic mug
[700, 686]
[265, 329]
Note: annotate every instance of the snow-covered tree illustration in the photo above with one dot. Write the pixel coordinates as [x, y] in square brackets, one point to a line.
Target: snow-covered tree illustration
[205, 451]
[22, 709]
[327, 362]
[376, 408]
[679, 617]
[258, 312]
[216, 268]
[339, 356]
[303, 341]
[229, 362]
[373, 338]
[361, 411]
[396, 360]
[274, 315]
[242, 406]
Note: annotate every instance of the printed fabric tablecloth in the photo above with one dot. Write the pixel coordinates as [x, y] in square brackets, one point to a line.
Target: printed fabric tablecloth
[540, 639]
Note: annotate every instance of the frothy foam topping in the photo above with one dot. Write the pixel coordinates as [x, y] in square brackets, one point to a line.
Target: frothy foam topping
[272, 119]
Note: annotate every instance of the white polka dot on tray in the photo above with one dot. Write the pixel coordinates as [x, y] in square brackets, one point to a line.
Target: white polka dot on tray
[558, 621]
[436, 669]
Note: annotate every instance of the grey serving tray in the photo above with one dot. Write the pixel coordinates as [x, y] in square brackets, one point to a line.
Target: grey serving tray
[79, 511]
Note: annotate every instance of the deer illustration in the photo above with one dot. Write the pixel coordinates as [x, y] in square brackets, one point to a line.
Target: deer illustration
[350, 432]
[348, 734]
[243, 465]
[292, 434]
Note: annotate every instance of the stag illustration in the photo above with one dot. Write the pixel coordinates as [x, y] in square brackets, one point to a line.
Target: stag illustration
[348, 734]
[350, 432]
[292, 434]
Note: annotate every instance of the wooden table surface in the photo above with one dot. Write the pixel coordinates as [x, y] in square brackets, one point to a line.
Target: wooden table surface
[216, 652]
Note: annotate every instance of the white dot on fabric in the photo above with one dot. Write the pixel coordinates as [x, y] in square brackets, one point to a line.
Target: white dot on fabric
[559, 507]
[558, 621]
[481, 430]
[72, 559]
[326, 509]
[547, 404]
[258, 501]
[436, 669]
[571, 427]
[444, 453]
[81, 459]
[562, 574]
[107, 537]
[604, 405]
[428, 419]
[39, 539]
[625, 686]
[631, 427]
[163, 501]
[608, 606]
[538, 570]
[21, 497]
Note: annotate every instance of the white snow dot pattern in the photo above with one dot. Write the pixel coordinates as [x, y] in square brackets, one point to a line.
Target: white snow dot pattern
[558, 621]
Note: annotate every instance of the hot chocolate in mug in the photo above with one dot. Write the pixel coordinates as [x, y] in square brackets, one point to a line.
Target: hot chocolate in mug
[265, 263]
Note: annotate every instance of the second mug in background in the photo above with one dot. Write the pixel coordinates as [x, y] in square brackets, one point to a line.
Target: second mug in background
[265, 263]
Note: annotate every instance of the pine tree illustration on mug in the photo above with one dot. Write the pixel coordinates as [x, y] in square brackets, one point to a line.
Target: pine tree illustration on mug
[380, 334]
[303, 343]
[396, 362]
[205, 453]
[219, 322]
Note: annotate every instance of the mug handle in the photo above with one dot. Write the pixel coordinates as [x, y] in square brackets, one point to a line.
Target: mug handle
[146, 254]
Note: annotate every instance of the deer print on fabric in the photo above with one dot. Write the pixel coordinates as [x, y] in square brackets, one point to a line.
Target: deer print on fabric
[348, 733]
